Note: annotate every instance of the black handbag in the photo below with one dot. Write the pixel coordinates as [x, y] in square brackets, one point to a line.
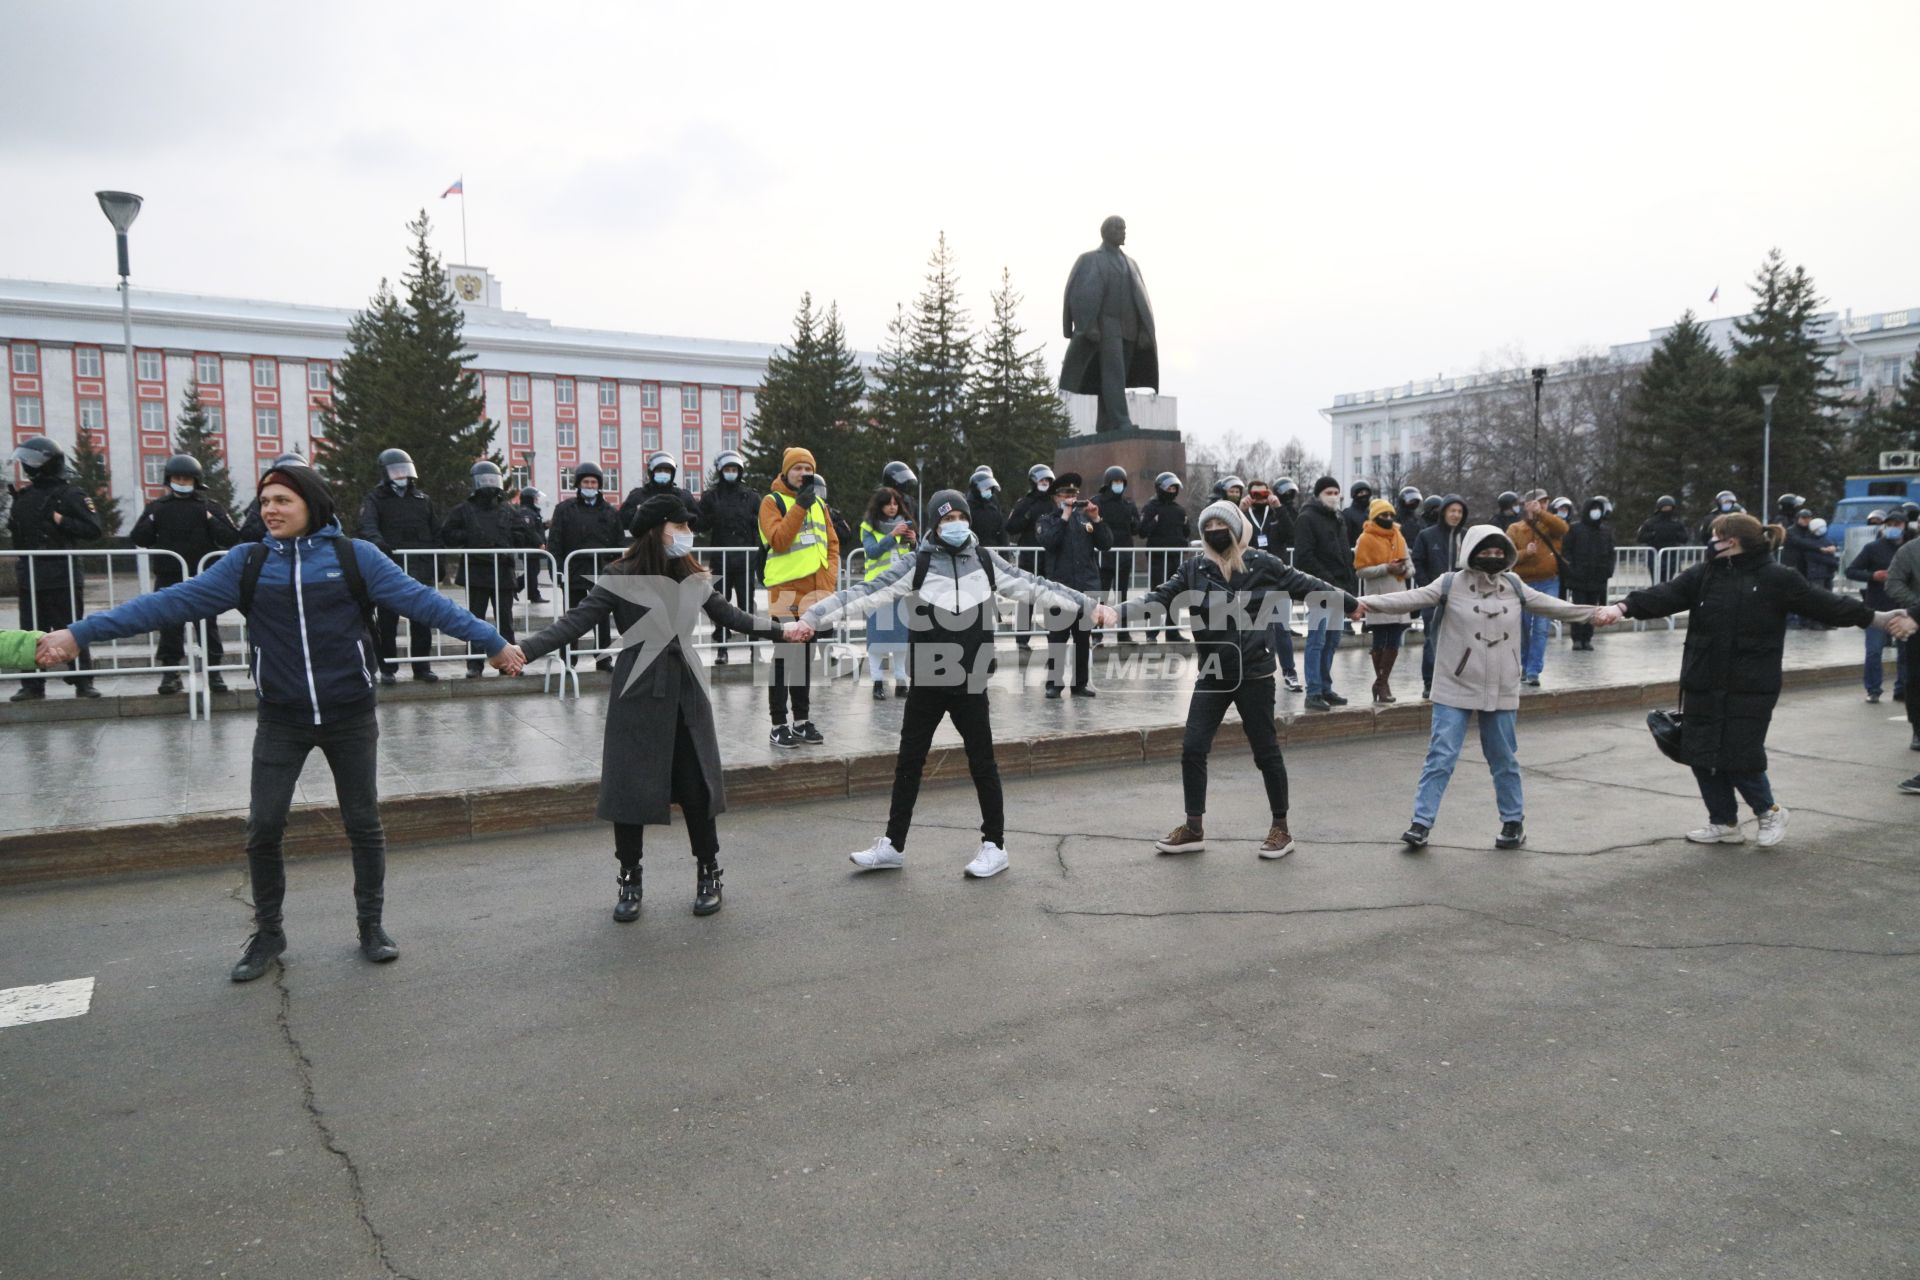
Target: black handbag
[1666, 728]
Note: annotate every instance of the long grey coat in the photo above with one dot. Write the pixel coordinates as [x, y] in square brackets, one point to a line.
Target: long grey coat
[636, 764]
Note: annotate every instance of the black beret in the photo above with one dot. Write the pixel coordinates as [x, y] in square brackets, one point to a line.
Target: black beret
[661, 508]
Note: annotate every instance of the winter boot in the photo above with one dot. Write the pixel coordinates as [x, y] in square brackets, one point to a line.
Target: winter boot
[375, 945]
[706, 888]
[626, 908]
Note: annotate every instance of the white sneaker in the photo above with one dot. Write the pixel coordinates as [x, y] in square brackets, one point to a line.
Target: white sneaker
[990, 861]
[881, 857]
[1773, 826]
[1714, 833]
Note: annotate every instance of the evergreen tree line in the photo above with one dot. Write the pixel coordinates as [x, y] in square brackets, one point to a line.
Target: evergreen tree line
[942, 397]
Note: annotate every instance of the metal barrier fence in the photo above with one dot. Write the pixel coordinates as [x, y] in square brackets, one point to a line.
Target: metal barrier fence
[55, 588]
[724, 562]
[524, 613]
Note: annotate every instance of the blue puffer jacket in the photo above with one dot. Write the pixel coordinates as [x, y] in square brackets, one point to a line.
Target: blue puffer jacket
[311, 656]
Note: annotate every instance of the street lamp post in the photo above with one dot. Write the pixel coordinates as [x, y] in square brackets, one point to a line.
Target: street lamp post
[121, 208]
[1767, 393]
[1539, 381]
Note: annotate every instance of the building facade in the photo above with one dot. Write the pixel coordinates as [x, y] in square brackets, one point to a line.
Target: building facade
[559, 396]
[1382, 433]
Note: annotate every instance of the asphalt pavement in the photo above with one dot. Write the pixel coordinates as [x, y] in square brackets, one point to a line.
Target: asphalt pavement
[1611, 1054]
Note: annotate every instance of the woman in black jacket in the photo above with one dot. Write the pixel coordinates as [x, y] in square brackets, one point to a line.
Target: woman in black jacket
[661, 748]
[1231, 594]
[1737, 605]
[1587, 552]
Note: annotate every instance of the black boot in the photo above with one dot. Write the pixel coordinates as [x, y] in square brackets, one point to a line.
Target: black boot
[169, 684]
[263, 948]
[375, 945]
[626, 908]
[706, 888]
[1512, 836]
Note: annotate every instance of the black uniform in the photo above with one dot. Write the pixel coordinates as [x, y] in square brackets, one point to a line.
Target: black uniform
[1587, 552]
[485, 522]
[1164, 525]
[1023, 525]
[1118, 513]
[1353, 518]
[252, 527]
[989, 523]
[192, 525]
[52, 591]
[530, 517]
[729, 516]
[637, 496]
[578, 525]
[395, 520]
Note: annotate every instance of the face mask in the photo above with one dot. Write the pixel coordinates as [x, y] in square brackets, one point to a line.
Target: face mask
[730, 476]
[1218, 539]
[1384, 522]
[680, 544]
[1726, 506]
[1330, 500]
[1044, 485]
[955, 533]
[985, 490]
[182, 489]
[1595, 514]
[663, 477]
[1892, 533]
[398, 476]
[1489, 563]
[1118, 487]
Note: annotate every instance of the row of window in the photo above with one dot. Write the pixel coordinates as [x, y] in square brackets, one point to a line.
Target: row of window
[1392, 465]
[149, 367]
[153, 416]
[520, 390]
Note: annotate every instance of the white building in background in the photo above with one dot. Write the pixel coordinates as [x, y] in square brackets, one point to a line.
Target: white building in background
[1383, 431]
[560, 396]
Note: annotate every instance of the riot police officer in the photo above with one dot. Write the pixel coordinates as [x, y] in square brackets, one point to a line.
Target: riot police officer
[529, 514]
[51, 514]
[484, 522]
[586, 522]
[398, 517]
[1023, 526]
[729, 515]
[1407, 512]
[988, 521]
[1354, 517]
[1118, 513]
[662, 477]
[1164, 527]
[186, 521]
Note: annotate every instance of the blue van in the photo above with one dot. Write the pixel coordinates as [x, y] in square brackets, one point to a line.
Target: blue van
[1898, 482]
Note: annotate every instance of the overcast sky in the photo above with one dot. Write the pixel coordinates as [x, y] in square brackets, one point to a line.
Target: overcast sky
[1320, 201]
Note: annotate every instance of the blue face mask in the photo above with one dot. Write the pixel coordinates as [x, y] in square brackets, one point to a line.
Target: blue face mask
[680, 544]
[589, 495]
[1892, 533]
[662, 477]
[181, 489]
[955, 533]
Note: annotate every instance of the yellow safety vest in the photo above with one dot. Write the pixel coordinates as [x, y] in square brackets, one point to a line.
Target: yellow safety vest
[879, 565]
[808, 554]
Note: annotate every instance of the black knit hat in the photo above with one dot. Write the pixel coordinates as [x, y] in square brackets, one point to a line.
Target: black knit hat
[945, 502]
[306, 482]
[661, 508]
[1323, 484]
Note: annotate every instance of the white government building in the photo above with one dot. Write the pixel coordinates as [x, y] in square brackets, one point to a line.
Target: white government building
[561, 396]
[1382, 432]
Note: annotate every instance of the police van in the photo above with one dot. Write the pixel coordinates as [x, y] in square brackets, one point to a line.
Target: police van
[1898, 481]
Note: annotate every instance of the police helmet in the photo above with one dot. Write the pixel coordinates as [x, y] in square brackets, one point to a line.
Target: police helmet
[1285, 487]
[397, 464]
[529, 497]
[1167, 482]
[1410, 496]
[1912, 509]
[184, 466]
[1430, 507]
[728, 458]
[1603, 502]
[1113, 474]
[898, 475]
[1725, 496]
[486, 475]
[655, 461]
[40, 456]
[1037, 472]
[1876, 516]
[1664, 501]
[1790, 504]
[589, 471]
[982, 478]
[1508, 500]
[1361, 489]
[1561, 506]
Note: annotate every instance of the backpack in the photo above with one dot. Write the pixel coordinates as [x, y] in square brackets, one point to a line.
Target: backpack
[349, 569]
[923, 561]
[766, 548]
[1446, 589]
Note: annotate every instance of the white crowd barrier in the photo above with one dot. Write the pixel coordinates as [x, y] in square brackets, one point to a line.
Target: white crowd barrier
[55, 588]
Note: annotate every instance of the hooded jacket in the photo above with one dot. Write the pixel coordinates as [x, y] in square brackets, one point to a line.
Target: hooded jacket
[1437, 549]
[1476, 663]
[312, 660]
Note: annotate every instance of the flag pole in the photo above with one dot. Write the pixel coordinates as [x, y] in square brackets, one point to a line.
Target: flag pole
[465, 260]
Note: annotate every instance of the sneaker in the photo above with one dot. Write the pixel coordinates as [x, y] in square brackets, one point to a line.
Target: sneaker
[1082, 691]
[808, 734]
[1182, 839]
[1279, 842]
[1318, 702]
[782, 736]
[990, 861]
[1512, 836]
[1714, 833]
[85, 690]
[1293, 684]
[879, 691]
[1912, 785]
[1530, 680]
[389, 679]
[1415, 836]
[880, 856]
[169, 684]
[1334, 698]
[217, 683]
[1773, 826]
[427, 674]
[375, 945]
[29, 693]
[1873, 697]
[263, 949]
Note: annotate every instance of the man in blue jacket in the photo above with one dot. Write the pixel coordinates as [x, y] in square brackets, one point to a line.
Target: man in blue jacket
[313, 662]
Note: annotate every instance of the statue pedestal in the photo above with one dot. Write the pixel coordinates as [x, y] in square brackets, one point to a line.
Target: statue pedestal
[1144, 452]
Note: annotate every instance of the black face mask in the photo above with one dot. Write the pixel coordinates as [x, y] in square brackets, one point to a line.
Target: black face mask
[1490, 563]
[1218, 539]
[1385, 522]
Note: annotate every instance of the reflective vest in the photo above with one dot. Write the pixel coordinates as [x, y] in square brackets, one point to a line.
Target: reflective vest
[808, 554]
[878, 565]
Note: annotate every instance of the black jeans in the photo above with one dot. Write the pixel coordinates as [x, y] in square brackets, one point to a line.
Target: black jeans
[1081, 631]
[1583, 631]
[792, 664]
[484, 592]
[578, 585]
[925, 708]
[172, 649]
[279, 752]
[735, 571]
[419, 642]
[1254, 698]
[50, 608]
[689, 790]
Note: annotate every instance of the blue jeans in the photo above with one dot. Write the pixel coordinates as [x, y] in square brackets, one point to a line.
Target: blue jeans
[1537, 629]
[1443, 752]
[1323, 637]
[1280, 640]
[1717, 787]
[1874, 671]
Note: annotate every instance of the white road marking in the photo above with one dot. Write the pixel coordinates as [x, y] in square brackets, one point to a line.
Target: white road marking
[45, 1002]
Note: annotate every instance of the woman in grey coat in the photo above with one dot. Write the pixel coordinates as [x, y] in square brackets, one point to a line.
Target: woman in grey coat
[661, 749]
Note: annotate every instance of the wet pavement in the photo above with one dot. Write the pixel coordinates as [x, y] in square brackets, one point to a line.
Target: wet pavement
[120, 769]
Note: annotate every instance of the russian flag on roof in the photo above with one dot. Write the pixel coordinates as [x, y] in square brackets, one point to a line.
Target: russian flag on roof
[455, 190]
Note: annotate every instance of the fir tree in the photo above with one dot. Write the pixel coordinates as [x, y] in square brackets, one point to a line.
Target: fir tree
[937, 422]
[1673, 439]
[842, 401]
[90, 474]
[1018, 417]
[1778, 344]
[192, 436]
[891, 393]
[1903, 415]
[405, 384]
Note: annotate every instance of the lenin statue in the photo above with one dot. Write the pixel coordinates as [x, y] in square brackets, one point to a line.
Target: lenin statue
[1109, 328]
